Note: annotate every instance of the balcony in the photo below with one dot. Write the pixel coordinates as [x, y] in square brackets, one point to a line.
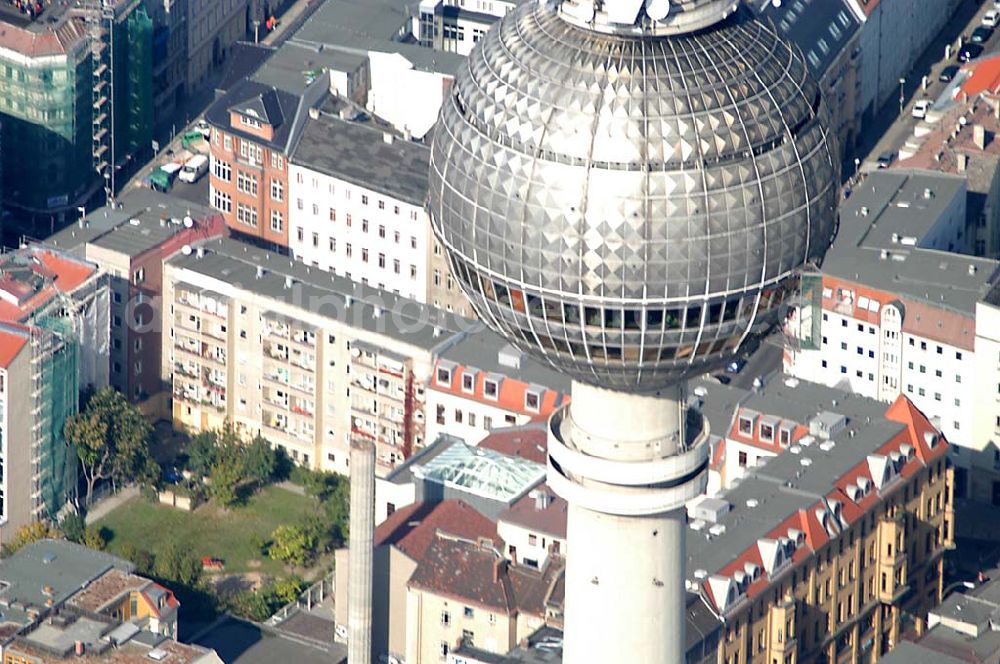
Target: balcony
[276, 351]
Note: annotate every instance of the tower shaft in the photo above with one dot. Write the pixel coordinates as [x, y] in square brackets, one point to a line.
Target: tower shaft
[626, 465]
[361, 553]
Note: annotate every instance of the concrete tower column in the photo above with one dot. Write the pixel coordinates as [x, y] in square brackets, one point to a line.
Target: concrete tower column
[626, 465]
[361, 551]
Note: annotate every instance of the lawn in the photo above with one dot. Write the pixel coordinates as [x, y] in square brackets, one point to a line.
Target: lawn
[209, 531]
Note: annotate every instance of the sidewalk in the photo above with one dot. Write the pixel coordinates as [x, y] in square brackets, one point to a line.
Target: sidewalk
[104, 507]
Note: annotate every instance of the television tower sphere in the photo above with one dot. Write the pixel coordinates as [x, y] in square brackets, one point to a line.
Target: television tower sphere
[629, 199]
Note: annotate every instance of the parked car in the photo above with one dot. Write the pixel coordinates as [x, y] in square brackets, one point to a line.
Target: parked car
[885, 159]
[948, 73]
[991, 18]
[920, 108]
[194, 168]
[723, 379]
[969, 52]
[981, 35]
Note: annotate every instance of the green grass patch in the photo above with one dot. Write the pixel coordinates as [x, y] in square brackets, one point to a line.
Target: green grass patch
[232, 535]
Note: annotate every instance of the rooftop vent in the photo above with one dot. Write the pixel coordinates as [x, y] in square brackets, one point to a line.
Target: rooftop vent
[806, 461]
[717, 529]
[928, 193]
[510, 357]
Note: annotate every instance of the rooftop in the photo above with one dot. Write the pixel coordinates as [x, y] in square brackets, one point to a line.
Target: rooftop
[275, 106]
[113, 585]
[235, 265]
[51, 570]
[382, 26]
[477, 574]
[540, 510]
[488, 352]
[412, 529]
[30, 278]
[240, 642]
[886, 240]
[907, 652]
[294, 66]
[144, 220]
[785, 492]
[821, 28]
[359, 153]
[528, 441]
[131, 652]
[482, 472]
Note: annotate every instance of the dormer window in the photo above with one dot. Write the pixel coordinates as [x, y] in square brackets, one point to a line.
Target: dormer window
[746, 425]
[767, 432]
[491, 389]
[444, 376]
[532, 401]
[469, 382]
[248, 121]
[784, 436]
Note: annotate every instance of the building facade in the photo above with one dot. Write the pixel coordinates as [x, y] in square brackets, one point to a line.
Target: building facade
[213, 26]
[306, 360]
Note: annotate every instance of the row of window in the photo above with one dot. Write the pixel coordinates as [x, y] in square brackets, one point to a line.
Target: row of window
[365, 199]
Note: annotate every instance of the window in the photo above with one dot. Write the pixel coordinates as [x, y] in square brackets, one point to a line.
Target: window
[958, 355]
[250, 122]
[139, 276]
[364, 199]
[491, 389]
[488, 422]
[381, 260]
[222, 170]
[246, 183]
[395, 266]
[843, 345]
[315, 239]
[276, 222]
[221, 201]
[784, 437]
[923, 345]
[277, 190]
[413, 242]
[364, 254]
[939, 350]
[766, 431]
[468, 612]
[251, 152]
[333, 244]
[444, 376]
[381, 231]
[298, 203]
[364, 225]
[743, 459]
[300, 234]
[458, 416]
[277, 162]
[444, 649]
[246, 214]
[227, 142]
[532, 401]
[413, 272]
[348, 251]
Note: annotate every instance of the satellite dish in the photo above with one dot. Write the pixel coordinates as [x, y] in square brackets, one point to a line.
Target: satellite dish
[657, 10]
[188, 222]
[186, 250]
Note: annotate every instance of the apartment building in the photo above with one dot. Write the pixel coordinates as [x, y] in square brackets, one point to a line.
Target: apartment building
[54, 320]
[893, 311]
[484, 601]
[129, 243]
[984, 482]
[819, 554]
[534, 528]
[481, 383]
[305, 358]
[356, 206]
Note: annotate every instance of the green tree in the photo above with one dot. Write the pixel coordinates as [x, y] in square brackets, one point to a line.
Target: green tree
[252, 605]
[201, 453]
[95, 538]
[291, 544]
[178, 563]
[73, 526]
[260, 460]
[287, 590]
[141, 558]
[111, 439]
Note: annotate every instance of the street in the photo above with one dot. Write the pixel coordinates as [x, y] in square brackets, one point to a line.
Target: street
[889, 130]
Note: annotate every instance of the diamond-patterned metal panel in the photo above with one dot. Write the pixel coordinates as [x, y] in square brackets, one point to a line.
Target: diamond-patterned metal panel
[628, 208]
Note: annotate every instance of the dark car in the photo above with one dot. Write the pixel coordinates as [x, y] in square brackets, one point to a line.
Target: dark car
[948, 73]
[885, 159]
[723, 379]
[969, 52]
[981, 35]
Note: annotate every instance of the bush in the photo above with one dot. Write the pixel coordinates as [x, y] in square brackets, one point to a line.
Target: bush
[178, 563]
[73, 526]
[142, 559]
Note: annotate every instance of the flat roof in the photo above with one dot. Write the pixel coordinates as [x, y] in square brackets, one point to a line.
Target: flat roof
[359, 153]
[52, 565]
[907, 652]
[230, 262]
[240, 642]
[893, 202]
[361, 26]
[482, 351]
[294, 66]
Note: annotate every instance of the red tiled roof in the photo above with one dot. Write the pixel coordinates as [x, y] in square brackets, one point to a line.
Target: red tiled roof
[550, 520]
[412, 529]
[527, 442]
[11, 344]
[985, 76]
[479, 576]
[57, 272]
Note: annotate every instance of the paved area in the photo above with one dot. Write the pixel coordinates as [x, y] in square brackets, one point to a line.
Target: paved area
[104, 507]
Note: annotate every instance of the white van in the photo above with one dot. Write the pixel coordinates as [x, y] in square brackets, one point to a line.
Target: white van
[194, 168]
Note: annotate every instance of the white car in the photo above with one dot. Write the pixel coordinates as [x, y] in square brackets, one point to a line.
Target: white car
[920, 108]
[991, 18]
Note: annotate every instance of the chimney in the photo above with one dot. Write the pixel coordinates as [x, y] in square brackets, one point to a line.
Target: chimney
[200, 252]
[963, 162]
[260, 271]
[979, 136]
[499, 567]
[387, 138]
